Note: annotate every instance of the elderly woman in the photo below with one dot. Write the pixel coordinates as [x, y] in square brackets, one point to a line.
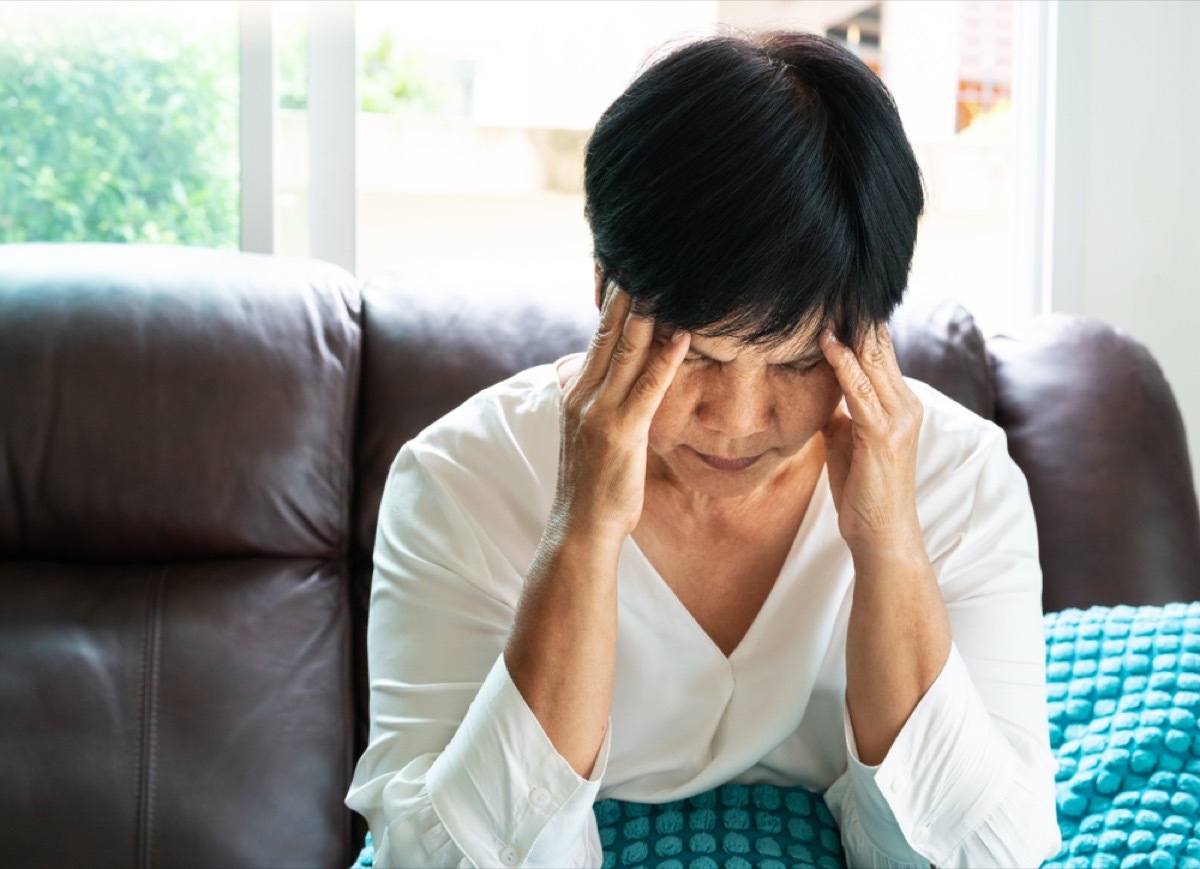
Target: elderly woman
[730, 542]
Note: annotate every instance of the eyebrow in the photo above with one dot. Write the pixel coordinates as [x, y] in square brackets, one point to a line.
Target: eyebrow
[813, 355]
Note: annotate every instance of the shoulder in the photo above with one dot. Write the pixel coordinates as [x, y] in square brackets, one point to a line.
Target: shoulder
[494, 458]
[967, 484]
[472, 491]
[505, 436]
[956, 444]
[515, 418]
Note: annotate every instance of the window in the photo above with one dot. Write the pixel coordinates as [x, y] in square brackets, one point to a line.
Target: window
[121, 124]
[291, 128]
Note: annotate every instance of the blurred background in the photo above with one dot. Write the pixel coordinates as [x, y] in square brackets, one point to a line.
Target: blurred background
[1058, 138]
[121, 122]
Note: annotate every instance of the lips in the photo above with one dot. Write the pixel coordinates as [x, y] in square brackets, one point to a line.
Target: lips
[729, 464]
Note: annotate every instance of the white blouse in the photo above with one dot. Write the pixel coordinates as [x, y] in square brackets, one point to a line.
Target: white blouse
[458, 771]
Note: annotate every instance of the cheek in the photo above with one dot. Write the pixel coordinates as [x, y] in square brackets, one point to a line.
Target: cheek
[808, 411]
[829, 394]
[674, 413]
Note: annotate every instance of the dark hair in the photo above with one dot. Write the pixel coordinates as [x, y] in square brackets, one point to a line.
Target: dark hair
[751, 186]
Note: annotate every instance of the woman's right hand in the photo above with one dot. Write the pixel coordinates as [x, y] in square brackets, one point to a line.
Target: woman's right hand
[605, 423]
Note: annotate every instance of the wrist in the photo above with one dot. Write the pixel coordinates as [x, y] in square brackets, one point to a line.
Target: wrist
[568, 539]
[890, 557]
[587, 521]
[898, 536]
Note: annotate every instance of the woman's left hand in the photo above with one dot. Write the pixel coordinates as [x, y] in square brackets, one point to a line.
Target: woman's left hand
[871, 449]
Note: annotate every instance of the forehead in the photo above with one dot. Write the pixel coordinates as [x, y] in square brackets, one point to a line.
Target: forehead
[802, 345]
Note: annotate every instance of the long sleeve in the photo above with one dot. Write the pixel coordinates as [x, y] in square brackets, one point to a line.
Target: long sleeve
[458, 772]
[969, 780]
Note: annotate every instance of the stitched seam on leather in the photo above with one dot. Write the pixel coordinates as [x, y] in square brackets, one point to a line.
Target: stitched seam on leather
[151, 645]
[141, 749]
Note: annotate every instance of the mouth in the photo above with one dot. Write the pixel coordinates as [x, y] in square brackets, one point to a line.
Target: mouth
[729, 464]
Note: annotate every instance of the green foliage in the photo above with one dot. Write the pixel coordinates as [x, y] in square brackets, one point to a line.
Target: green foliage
[123, 128]
[391, 80]
[123, 125]
[395, 81]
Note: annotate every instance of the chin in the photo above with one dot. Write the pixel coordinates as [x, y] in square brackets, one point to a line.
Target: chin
[725, 488]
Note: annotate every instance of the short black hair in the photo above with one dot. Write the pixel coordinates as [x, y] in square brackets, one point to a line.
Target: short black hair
[753, 186]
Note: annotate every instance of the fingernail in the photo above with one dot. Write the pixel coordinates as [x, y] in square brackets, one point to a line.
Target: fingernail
[678, 336]
[830, 337]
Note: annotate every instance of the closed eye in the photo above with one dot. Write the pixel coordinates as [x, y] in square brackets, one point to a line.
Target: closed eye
[799, 366]
[802, 366]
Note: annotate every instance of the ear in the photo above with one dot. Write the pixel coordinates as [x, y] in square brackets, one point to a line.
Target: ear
[599, 295]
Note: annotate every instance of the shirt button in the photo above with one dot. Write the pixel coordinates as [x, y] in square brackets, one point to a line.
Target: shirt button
[510, 856]
[540, 797]
[896, 785]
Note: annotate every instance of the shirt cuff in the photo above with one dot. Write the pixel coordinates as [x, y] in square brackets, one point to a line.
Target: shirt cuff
[502, 791]
[944, 774]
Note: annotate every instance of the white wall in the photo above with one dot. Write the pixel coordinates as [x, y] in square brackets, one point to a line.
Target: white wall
[1127, 221]
[924, 82]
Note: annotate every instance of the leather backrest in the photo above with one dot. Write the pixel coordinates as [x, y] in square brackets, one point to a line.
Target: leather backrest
[937, 342]
[175, 480]
[1093, 423]
[173, 403]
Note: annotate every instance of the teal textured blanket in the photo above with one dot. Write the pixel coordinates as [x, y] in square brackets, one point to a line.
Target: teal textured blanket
[1123, 686]
[1124, 689]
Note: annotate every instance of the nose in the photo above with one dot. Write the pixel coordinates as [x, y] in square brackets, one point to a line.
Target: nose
[735, 407]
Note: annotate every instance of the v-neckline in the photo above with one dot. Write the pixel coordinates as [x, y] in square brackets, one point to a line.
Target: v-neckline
[806, 522]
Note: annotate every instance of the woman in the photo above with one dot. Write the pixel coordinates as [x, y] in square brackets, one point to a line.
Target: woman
[731, 541]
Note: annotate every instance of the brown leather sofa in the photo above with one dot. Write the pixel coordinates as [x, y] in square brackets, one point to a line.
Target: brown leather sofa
[193, 445]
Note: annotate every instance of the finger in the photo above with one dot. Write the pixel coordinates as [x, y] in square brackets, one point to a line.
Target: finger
[838, 434]
[612, 321]
[653, 383]
[878, 359]
[629, 356]
[862, 401]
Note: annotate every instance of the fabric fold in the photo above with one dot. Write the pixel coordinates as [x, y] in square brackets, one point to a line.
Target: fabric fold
[501, 787]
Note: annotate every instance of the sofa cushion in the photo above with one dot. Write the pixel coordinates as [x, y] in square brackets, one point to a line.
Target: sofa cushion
[175, 480]
[173, 403]
[188, 714]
